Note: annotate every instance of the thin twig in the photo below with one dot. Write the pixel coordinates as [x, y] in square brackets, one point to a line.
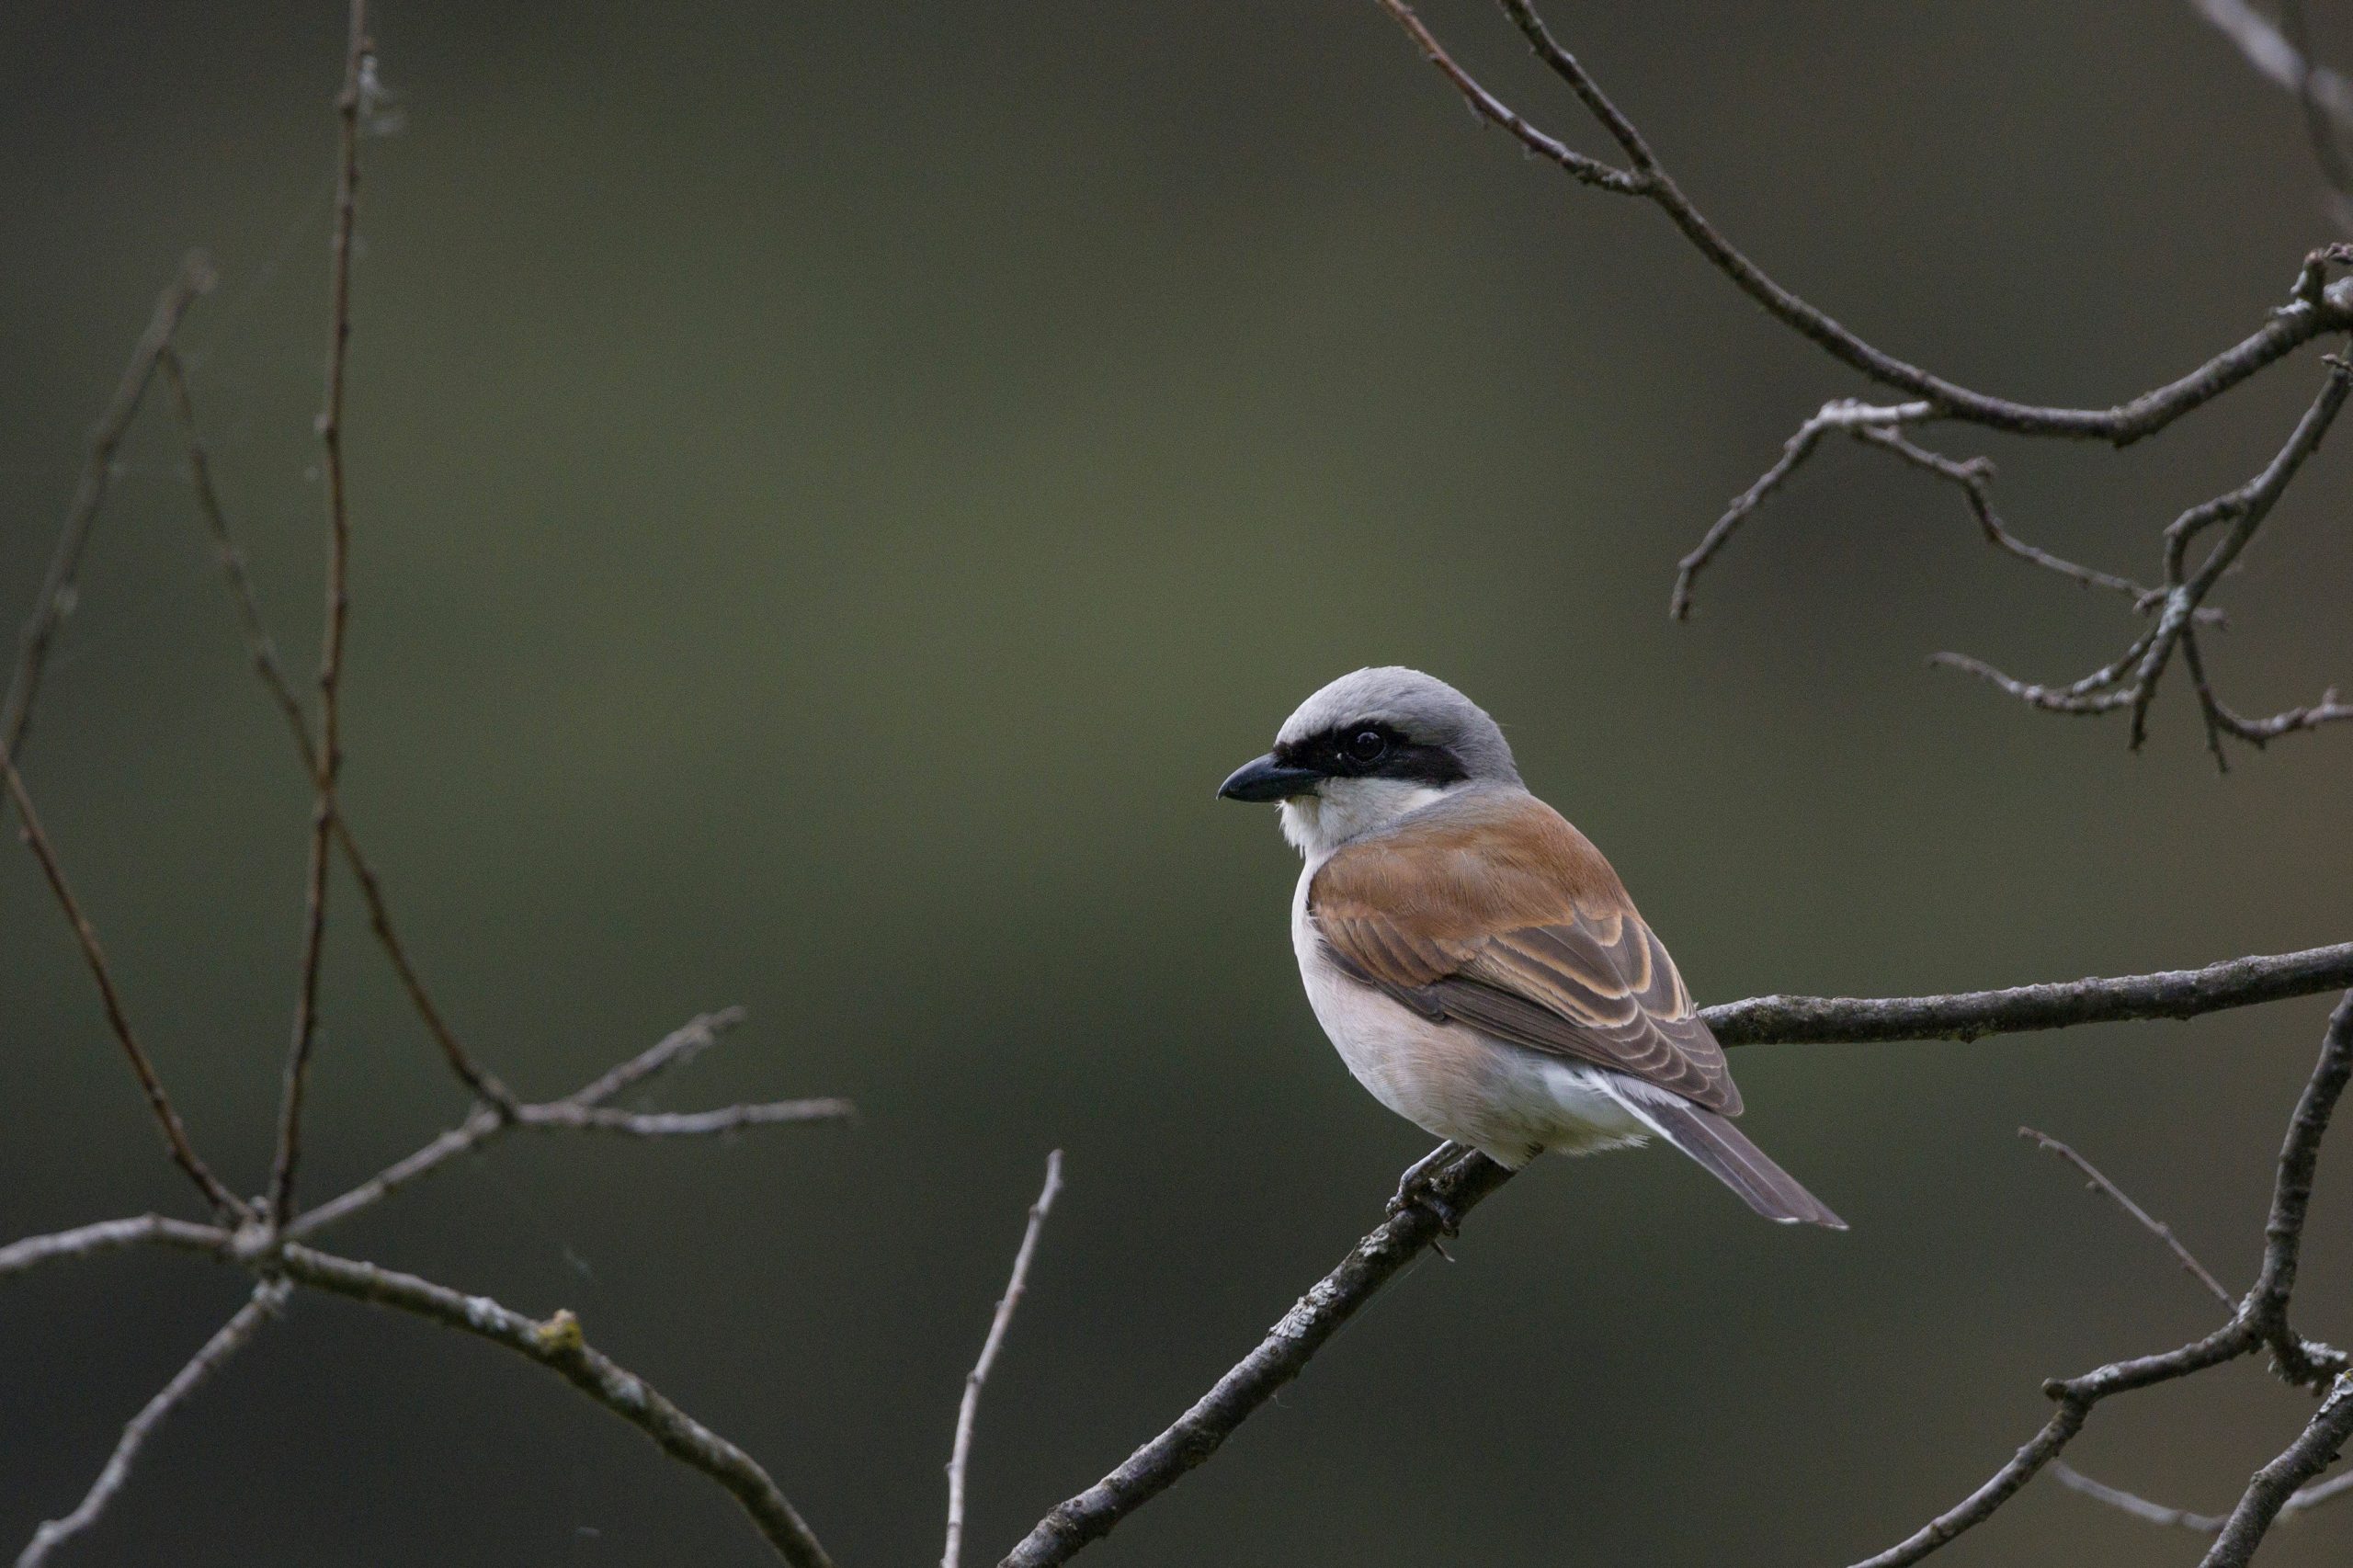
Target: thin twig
[1844, 413]
[175, 1139]
[683, 1123]
[263, 650]
[56, 597]
[482, 1125]
[2323, 130]
[557, 1344]
[112, 1235]
[2268, 51]
[968, 1409]
[1974, 478]
[267, 1297]
[2148, 1221]
[2141, 1508]
[338, 603]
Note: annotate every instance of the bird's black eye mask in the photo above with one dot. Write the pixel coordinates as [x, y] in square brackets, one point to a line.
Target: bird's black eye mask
[1371, 750]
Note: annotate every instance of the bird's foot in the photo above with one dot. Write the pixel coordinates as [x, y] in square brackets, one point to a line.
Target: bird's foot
[1415, 1190]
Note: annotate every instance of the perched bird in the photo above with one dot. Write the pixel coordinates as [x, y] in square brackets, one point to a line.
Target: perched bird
[1474, 957]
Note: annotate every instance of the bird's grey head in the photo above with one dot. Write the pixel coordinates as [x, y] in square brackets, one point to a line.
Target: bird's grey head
[1369, 748]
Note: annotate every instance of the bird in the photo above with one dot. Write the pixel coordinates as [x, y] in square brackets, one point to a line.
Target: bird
[1475, 959]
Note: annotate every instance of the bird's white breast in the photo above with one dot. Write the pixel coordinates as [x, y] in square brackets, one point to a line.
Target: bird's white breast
[1452, 1080]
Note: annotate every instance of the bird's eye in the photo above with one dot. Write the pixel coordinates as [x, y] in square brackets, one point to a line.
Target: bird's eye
[1368, 745]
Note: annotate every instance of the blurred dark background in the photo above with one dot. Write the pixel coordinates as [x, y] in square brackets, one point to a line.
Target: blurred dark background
[835, 487]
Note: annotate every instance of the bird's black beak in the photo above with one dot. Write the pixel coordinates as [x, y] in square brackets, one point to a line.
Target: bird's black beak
[1268, 778]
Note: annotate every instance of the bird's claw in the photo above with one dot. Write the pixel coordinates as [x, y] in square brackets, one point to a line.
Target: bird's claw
[1417, 1194]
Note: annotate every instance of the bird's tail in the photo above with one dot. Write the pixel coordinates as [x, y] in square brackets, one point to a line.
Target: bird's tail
[1732, 1159]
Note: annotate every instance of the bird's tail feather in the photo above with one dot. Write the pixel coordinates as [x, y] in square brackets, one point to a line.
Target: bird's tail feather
[1728, 1155]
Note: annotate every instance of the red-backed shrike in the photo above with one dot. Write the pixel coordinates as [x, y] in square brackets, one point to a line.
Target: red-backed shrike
[1474, 957]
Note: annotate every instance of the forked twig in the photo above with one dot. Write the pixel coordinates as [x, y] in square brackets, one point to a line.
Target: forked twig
[263, 650]
[56, 597]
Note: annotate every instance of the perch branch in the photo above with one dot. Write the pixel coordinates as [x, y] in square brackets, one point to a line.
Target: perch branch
[2176, 993]
[1281, 1357]
[2259, 1320]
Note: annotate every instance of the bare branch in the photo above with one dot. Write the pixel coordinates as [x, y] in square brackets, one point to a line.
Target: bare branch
[267, 1297]
[968, 1410]
[56, 598]
[2140, 1507]
[1883, 425]
[2323, 130]
[2328, 711]
[2276, 1485]
[2283, 1231]
[2316, 307]
[681, 1045]
[263, 650]
[112, 1235]
[683, 1123]
[2176, 993]
[673, 1050]
[2148, 1221]
[557, 1344]
[2260, 1320]
[2131, 682]
[1981, 1505]
[2288, 329]
[1279, 1358]
[338, 601]
[175, 1139]
[1844, 413]
[2268, 51]
[2075, 1397]
[1974, 479]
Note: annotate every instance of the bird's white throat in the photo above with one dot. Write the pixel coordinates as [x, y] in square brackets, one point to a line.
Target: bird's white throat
[1342, 808]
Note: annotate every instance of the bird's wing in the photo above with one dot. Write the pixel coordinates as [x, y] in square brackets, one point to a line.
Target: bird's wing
[1499, 915]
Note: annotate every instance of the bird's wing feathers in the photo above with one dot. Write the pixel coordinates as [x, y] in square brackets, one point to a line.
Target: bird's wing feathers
[1499, 915]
